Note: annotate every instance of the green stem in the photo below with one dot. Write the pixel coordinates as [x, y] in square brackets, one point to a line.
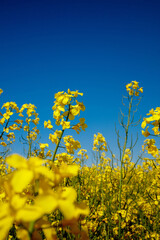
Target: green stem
[121, 169]
[59, 140]
[31, 229]
[4, 128]
[30, 143]
[57, 146]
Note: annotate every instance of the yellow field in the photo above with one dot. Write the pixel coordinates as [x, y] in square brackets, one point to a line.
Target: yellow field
[52, 193]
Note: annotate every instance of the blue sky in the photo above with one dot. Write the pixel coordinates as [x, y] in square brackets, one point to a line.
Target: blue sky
[96, 47]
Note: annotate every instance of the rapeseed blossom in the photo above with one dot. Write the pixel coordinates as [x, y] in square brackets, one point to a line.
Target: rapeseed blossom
[133, 88]
[153, 120]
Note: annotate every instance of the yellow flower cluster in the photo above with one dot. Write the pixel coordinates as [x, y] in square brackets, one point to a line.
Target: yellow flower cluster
[66, 108]
[127, 156]
[63, 100]
[133, 88]
[83, 153]
[32, 117]
[64, 158]
[149, 145]
[82, 157]
[99, 143]
[47, 124]
[154, 120]
[7, 137]
[55, 137]
[42, 151]
[71, 144]
[81, 125]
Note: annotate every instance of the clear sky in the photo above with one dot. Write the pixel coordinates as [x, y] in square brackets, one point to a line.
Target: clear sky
[96, 47]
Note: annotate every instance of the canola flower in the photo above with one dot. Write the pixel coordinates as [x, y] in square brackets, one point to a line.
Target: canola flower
[133, 88]
[99, 143]
[153, 120]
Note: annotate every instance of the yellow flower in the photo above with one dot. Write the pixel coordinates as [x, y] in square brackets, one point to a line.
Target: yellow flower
[131, 92]
[145, 133]
[74, 93]
[17, 210]
[83, 153]
[140, 89]
[99, 143]
[128, 86]
[49, 154]
[83, 124]
[71, 144]
[67, 206]
[56, 114]
[7, 114]
[135, 85]
[28, 170]
[54, 137]
[1, 91]
[11, 105]
[26, 128]
[64, 106]
[47, 124]
[18, 121]
[35, 121]
[133, 88]
[3, 144]
[156, 130]
[43, 145]
[2, 121]
[150, 146]
[154, 120]
[136, 93]
[14, 127]
[65, 124]
[23, 234]
[38, 209]
[6, 220]
[64, 157]
[30, 109]
[143, 125]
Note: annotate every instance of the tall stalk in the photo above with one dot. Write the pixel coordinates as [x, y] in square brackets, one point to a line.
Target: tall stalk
[60, 138]
[121, 160]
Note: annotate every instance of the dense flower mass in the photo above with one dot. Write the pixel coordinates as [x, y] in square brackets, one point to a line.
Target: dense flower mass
[51, 192]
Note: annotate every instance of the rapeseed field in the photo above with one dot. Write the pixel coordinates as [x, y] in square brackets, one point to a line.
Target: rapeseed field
[51, 193]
